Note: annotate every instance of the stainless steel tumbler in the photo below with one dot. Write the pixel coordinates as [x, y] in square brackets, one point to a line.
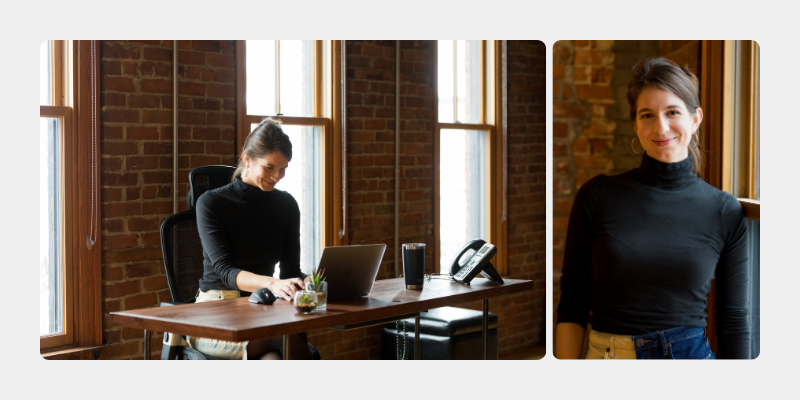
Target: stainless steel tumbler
[414, 265]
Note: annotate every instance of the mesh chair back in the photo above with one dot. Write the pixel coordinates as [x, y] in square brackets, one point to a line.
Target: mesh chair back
[202, 179]
[183, 255]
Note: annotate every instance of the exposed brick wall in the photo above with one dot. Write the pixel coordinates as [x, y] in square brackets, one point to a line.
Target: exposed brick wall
[521, 317]
[136, 151]
[137, 169]
[592, 130]
[371, 85]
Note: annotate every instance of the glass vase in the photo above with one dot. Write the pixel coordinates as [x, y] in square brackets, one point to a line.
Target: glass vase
[322, 294]
[305, 302]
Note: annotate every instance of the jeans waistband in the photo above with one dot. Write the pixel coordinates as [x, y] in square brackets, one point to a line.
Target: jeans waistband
[663, 338]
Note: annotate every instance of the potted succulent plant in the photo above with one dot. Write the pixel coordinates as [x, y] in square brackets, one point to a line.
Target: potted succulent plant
[305, 302]
[316, 283]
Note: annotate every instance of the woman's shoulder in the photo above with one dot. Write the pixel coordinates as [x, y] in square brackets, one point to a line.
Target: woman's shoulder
[286, 198]
[213, 196]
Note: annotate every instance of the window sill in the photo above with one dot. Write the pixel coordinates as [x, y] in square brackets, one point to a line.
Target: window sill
[77, 353]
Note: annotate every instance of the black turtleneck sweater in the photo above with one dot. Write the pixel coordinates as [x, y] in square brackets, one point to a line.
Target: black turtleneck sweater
[641, 251]
[243, 228]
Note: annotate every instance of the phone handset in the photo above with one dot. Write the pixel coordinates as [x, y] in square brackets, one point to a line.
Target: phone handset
[472, 259]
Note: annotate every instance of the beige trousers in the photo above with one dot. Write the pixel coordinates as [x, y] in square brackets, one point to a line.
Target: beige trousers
[213, 347]
[607, 346]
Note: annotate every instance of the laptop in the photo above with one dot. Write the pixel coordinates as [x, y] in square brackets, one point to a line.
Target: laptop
[351, 270]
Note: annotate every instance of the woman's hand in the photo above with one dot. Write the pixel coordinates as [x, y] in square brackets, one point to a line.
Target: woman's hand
[286, 287]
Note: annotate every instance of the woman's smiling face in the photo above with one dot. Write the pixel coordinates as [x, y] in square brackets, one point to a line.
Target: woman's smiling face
[664, 125]
[265, 172]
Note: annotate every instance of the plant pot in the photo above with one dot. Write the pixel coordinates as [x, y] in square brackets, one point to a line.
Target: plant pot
[305, 302]
[322, 294]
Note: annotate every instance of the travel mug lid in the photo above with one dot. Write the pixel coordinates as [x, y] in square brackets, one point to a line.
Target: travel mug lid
[413, 246]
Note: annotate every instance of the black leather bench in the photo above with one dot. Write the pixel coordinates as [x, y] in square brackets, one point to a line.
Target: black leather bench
[446, 333]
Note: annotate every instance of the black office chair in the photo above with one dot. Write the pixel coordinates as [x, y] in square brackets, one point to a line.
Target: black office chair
[203, 179]
[183, 258]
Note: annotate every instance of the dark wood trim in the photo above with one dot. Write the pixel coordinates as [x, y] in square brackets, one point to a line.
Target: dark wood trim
[242, 127]
[89, 311]
[437, 246]
[711, 101]
[80, 353]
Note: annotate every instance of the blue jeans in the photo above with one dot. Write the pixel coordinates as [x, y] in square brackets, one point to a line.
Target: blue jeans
[673, 344]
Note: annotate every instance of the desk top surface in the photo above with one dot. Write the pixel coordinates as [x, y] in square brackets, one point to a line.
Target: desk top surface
[239, 320]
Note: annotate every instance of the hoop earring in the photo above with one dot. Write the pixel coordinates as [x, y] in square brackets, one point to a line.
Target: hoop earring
[633, 148]
[696, 143]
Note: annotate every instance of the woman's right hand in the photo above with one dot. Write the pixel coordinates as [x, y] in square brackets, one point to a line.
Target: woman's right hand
[286, 287]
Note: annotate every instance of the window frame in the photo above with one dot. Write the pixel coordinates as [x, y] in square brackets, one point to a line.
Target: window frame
[491, 122]
[73, 63]
[730, 100]
[327, 115]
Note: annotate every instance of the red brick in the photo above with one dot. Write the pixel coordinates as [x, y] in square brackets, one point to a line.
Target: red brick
[220, 60]
[111, 163]
[220, 148]
[565, 110]
[192, 88]
[157, 86]
[143, 224]
[111, 132]
[157, 54]
[141, 301]
[560, 129]
[157, 177]
[115, 210]
[112, 273]
[120, 115]
[157, 148]
[221, 118]
[114, 99]
[156, 283]
[592, 162]
[121, 289]
[151, 239]
[123, 350]
[114, 179]
[132, 193]
[119, 148]
[206, 45]
[117, 242]
[151, 192]
[186, 57]
[157, 207]
[114, 50]
[586, 92]
[205, 133]
[221, 91]
[144, 101]
[156, 117]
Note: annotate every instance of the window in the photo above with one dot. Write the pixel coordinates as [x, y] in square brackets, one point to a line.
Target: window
[467, 150]
[67, 265]
[295, 81]
[730, 98]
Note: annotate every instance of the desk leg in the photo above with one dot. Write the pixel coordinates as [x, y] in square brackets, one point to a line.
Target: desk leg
[416, 338]
[485, 328]
[147, 344]
[285, 347]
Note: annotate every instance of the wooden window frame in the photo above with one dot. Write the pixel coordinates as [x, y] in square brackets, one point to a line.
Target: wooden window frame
[72, 103]
[730, 100]
[327, 115]
[491, 121]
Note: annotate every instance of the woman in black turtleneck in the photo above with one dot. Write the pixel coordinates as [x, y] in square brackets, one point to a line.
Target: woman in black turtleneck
[246, 227]
[642, 247]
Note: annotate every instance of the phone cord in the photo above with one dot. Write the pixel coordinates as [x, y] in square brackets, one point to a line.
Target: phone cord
[401, 355]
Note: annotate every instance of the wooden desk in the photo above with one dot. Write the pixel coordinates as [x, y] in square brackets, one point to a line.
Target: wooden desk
[239, 320]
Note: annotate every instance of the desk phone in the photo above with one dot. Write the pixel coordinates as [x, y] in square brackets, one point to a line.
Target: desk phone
[472, 259]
